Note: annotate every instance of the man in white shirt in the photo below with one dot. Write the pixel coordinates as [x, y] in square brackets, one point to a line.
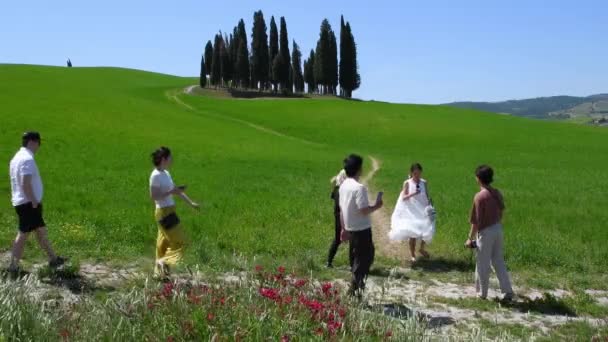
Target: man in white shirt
[355, 209]
[26, 189]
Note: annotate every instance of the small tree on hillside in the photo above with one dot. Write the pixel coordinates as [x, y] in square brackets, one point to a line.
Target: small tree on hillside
[208, 56]
[296, 61]
[277, 67]
[216, 64]
[203, 77]
[332, 76]
[227, 63]
[350, 79]
[309, 76]
[273, 51]
[260, 62]
[285, 65]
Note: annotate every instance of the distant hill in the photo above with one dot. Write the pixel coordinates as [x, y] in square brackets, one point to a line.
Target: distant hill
[554, 107]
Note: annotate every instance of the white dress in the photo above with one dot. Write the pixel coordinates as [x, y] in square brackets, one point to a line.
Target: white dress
[414, 217]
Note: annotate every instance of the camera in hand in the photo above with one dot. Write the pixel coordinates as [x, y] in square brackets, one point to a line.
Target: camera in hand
[472, 244]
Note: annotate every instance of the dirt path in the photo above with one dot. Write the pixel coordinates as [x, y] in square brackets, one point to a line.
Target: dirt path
[172, 95]
[381, 222]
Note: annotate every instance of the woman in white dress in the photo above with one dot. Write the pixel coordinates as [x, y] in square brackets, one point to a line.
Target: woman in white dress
[414, 216]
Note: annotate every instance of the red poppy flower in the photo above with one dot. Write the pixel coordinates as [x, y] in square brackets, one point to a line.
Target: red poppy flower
[388, 334]
[285, 338]
[210, 316]
[259, 268]
[167, 290]
[281, 269]
[315, 305]
[319, 331]
[326, 287]
[270, 293]
[299, 283]
[332, 327]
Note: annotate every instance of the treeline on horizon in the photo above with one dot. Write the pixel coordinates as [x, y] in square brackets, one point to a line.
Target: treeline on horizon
[269, 65]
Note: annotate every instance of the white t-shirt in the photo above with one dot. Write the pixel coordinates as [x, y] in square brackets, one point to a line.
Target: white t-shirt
[353, 196]
[163, 181]
[21, 165]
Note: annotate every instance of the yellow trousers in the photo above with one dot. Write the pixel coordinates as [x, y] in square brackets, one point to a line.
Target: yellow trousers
[169, 243]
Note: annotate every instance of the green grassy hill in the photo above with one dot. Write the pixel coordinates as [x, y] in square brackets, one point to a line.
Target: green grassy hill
[581, 109]
[261, 169]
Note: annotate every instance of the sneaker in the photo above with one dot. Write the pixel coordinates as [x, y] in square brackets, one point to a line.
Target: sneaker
[14, 272]
[508, 297]
[161, 270]
[329, 265]
[57, 262]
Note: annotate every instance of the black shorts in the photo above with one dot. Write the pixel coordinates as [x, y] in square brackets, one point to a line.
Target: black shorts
[30, 219]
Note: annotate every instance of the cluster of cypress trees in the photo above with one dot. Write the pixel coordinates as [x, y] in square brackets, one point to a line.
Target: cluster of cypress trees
[269, 65]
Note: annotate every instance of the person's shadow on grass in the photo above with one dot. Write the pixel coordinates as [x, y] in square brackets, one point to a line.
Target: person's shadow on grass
[545, 305]
[68, 277]
[400, 311]
[438, 265]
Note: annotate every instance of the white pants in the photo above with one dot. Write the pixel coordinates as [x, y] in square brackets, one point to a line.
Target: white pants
[489, 252]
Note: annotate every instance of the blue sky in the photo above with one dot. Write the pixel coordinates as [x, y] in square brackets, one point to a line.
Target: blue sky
[409, 51]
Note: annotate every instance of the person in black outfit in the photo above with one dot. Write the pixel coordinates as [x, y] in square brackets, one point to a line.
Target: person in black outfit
[335, 196]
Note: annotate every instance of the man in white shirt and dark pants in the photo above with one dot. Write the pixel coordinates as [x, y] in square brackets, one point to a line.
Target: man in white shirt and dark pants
[26, 186]
[355, 209]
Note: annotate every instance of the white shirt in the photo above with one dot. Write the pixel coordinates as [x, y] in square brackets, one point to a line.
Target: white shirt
[353, 197]
[163, 181]
[21, 165]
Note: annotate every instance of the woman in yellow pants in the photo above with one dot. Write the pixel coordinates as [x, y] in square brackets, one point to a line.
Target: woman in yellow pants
[171, 240]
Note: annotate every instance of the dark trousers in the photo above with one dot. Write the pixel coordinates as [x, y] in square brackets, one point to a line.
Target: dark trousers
[333, 248]
[362, 257]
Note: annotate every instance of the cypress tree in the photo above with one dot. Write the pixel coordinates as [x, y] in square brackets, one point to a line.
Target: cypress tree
[241, 55]
[242, 64]
[332, 76]
[354, 64]
[273, 50]
[225, 62]
[344, 60]
[260, 61]
[216, 64]
[309, 73]
[277, 66]
[285, 58]
[234, 46]
[208, 56]
[323, 64]
[350, 79]
[296, 61]
[203, 77]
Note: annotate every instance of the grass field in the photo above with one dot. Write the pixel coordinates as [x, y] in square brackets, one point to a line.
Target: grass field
[261, 168]
[265, 195]
[552, 174]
